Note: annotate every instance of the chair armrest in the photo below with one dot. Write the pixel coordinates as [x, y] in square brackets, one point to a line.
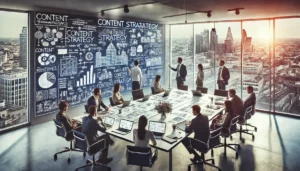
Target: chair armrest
[214, 131]
[203, 143]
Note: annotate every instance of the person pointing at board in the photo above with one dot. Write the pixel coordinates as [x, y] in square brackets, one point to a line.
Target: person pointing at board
[136, 76]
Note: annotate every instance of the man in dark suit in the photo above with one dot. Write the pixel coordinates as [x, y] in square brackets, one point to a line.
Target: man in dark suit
[223, 76]
[62, 117]
[90, 128]
[251, 100]
[237, 103]
[200, 126]
[181, 72]
[96, 100]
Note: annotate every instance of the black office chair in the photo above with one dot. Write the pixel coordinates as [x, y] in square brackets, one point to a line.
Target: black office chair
[202, 89]
[82, 143]
[140, 156]
[225, 133]
[183, 87]
[222, 93]
[111, 101]
[203, 148]
[152, 90]
[86, 108]
[61, 132]
[243, 122]
[137, 94]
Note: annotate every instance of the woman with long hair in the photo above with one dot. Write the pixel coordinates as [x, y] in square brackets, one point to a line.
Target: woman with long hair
[200, 76]
[117, 97]
[141, 136]
[157, 87]
[225, 119]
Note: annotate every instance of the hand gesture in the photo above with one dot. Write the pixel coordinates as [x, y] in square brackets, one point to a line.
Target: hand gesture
[107, 109]
[99, 118]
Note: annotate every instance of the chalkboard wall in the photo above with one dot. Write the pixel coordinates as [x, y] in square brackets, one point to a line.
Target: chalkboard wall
[73, 55]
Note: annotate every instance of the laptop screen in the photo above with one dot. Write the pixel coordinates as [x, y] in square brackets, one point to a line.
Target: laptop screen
[125, 124]
[159, 127]
[109, 120]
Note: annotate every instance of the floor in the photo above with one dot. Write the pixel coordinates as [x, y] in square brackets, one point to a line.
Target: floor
[276, 148]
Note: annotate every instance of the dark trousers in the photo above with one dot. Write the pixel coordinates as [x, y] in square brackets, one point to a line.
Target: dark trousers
[221, 85]
[187, 144]
[136, 85]
[179, 81]
[104, 152]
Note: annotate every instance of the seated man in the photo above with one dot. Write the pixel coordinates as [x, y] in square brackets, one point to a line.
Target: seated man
[90, 127]
[96, 100]
[62, 117]
[251, 100]
[200, 126]
[237, 103]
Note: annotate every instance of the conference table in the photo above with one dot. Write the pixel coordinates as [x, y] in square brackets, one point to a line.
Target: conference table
[181, 102]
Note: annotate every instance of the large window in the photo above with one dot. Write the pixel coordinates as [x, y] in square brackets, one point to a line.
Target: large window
[13, 69]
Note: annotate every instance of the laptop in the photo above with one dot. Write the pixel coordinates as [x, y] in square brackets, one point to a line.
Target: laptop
[196, 93]
[125, 127]
[125, 104]
[167, 92]
[157, 128]
[108, 121]
[145, 98]
[181, 125]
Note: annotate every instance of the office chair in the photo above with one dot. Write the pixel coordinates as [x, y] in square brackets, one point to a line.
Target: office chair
[82, 143]
[111, 101]
[137, 94]
[183, 87]
[202, 89]
[140, 156]
[61, 132]
[152, 90]
[243, 122]
[203, 148]
[222, 93]
[225, 133]
[86, 108]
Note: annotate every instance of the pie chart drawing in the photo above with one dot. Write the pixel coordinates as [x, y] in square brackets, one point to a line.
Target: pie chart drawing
[47, 80]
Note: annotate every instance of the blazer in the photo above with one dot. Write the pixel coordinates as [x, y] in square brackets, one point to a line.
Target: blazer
[251, 100]
[65, 120]
[91, 101]
[238, 106]
[182, 71]
[157, 87]
[227, 121]
[90, 127]
[200, 126]
[225, 75]
[116, 98]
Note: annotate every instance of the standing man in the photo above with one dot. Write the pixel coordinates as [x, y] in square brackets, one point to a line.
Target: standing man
[223, 76]
[181, 72]
[136, 75]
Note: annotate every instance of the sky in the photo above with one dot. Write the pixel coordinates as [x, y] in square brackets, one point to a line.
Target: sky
[11, 24]
[285, 28]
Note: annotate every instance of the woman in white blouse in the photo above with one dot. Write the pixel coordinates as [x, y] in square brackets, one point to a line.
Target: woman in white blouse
[157, 87]
[200, 76]
[117, 97]
[141, 136]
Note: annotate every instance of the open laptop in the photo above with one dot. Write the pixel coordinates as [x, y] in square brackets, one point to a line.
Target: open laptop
[196, 93]
[108, 121]
[157, 128]
[145, 98]
[181, 125]
[167, 92]
[125, 127]
[125, 104]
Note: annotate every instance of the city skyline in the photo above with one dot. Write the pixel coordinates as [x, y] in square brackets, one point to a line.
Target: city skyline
[16, 22]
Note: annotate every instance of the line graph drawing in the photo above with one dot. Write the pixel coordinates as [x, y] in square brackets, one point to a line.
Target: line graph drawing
[47, 80]
[68, 66]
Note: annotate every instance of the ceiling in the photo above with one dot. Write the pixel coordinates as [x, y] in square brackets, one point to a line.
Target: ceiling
[156, 12]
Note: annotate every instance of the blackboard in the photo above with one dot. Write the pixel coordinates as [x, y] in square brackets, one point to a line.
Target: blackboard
[73, 55]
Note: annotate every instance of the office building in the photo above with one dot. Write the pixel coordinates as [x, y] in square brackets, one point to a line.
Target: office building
[213, 39]
[23, 48]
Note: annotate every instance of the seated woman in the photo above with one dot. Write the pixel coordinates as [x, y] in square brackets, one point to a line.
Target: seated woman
[141, 136]
[224, 120]
[117, 97]
[157, 87]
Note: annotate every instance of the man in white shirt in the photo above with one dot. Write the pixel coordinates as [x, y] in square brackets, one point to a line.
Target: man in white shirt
[136, 76]
[181, 72]
[223, 76]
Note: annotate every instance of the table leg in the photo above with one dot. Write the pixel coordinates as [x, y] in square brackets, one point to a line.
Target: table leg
[170, 160]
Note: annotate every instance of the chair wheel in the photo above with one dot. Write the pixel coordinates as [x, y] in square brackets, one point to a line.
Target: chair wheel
[212, 153]
[236, 155]
[239, 147]
[255, 129]
[87, 162]
[213, 162]
[231, 138]
[253, 137]
[55, 157]
[69, 160]
[189, 168]
[84, 154]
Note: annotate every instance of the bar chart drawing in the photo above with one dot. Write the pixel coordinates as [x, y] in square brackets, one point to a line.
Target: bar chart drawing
[68, 66]
[88, 78]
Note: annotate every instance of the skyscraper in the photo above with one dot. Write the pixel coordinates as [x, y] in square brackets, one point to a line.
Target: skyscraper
[213, 40]
[246, 42]
[198, 42]
[23, 48]
[229, 41]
